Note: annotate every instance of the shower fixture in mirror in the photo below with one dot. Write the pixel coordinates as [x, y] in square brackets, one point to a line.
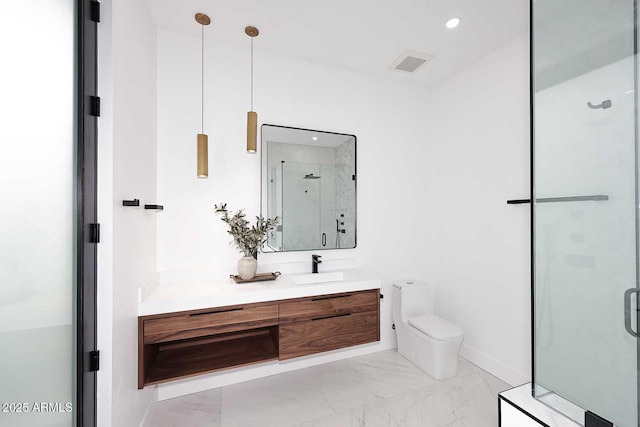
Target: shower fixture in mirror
[309, 182]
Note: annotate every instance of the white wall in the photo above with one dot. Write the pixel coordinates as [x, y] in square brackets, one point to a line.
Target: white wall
[478, 125]
[134, 176]
[384, 115]
[104, 307]
[392, 152]
[435, 169]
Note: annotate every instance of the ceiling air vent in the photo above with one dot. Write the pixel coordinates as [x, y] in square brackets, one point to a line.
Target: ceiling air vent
[411, 61]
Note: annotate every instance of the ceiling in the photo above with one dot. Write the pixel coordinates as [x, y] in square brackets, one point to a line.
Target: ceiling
[361, 35]
[287, 135]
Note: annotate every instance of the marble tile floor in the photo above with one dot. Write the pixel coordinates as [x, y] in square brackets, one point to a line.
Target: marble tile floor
[375, 390]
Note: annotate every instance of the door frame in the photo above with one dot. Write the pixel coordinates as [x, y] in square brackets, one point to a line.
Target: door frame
[87, 227]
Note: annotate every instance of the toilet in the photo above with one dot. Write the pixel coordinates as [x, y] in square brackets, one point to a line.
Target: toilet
[425, 339]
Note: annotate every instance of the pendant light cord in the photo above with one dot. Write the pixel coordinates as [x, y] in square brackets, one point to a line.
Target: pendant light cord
[251, 73]
[202, 83]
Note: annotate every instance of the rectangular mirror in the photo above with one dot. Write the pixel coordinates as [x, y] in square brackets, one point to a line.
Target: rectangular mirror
[309, 182]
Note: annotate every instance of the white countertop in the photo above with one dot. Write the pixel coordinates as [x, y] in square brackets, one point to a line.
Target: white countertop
[192, 294]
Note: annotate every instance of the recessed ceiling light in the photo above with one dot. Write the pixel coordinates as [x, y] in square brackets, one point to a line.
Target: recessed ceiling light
[315, 138]
[453, 23]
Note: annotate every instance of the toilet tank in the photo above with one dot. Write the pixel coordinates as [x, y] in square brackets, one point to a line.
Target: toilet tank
[411, 298]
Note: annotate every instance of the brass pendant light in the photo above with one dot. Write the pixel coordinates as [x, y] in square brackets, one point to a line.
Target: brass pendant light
[203, 139]
[252, 116]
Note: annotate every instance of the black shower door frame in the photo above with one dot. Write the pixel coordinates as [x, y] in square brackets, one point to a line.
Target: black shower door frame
[87, 113]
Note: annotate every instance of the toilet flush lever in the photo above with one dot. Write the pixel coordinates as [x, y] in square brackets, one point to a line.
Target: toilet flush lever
[627, 311]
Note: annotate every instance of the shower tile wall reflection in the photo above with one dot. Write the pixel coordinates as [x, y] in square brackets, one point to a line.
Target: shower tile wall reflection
[346, 195]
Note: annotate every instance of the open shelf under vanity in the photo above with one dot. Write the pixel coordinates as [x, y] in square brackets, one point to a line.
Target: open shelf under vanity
[185, 358]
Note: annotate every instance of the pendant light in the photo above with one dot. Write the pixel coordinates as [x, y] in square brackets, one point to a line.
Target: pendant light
[252, 116]
[203, 139]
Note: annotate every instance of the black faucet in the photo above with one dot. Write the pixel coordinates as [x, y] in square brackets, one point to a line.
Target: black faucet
[315, 260]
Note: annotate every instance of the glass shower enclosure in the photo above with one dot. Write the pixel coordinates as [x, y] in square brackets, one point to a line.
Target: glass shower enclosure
[305, 194]
[585, 208]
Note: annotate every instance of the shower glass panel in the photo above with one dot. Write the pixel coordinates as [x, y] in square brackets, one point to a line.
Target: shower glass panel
[308, 198]
[301, 205]
[274, 200]
[585, 208]
[37, 215]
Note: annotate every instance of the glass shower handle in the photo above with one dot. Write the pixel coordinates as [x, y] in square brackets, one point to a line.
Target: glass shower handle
[627, 311]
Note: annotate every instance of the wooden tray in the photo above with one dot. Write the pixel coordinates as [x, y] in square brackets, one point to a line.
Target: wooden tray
[261, 277]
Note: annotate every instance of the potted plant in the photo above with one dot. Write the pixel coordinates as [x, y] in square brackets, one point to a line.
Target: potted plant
[248, 239]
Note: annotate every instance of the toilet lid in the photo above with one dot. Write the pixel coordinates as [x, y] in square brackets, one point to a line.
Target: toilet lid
[435, 327]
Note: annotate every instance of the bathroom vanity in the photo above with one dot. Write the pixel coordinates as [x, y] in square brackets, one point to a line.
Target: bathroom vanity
[249, 324]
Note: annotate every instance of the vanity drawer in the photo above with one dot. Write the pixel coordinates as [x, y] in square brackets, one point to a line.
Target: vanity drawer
[328, 333]
[208, 322]
[329, 305]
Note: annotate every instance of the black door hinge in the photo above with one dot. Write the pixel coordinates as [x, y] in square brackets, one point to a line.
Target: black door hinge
[94, 233]
[94, 106]
[94, 11]
[94, 361]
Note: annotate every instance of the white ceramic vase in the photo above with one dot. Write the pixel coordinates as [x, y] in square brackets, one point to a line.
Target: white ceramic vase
[247, 267]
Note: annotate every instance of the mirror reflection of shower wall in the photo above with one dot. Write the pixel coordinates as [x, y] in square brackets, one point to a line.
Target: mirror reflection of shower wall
[310, 185]
[308, 203]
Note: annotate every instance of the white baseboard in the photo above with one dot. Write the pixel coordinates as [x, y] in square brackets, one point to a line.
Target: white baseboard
[493, 366]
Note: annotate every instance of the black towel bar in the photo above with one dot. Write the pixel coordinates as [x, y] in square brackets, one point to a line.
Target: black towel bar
[594, 198]
[154, 207]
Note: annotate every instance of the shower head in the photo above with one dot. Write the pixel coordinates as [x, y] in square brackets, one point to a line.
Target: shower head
[311, 176]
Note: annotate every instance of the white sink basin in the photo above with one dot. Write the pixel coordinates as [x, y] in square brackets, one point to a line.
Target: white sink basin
[307, 279]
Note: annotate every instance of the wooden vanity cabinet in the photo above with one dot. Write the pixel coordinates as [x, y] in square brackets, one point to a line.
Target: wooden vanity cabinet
[328, 322]
[179, 345]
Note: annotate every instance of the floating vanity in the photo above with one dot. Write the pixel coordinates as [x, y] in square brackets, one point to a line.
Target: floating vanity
[203, 326]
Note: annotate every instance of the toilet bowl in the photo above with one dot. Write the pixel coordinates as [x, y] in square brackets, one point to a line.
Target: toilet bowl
[425, 339]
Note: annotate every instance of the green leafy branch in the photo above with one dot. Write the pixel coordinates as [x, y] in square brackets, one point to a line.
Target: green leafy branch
[248, 239]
